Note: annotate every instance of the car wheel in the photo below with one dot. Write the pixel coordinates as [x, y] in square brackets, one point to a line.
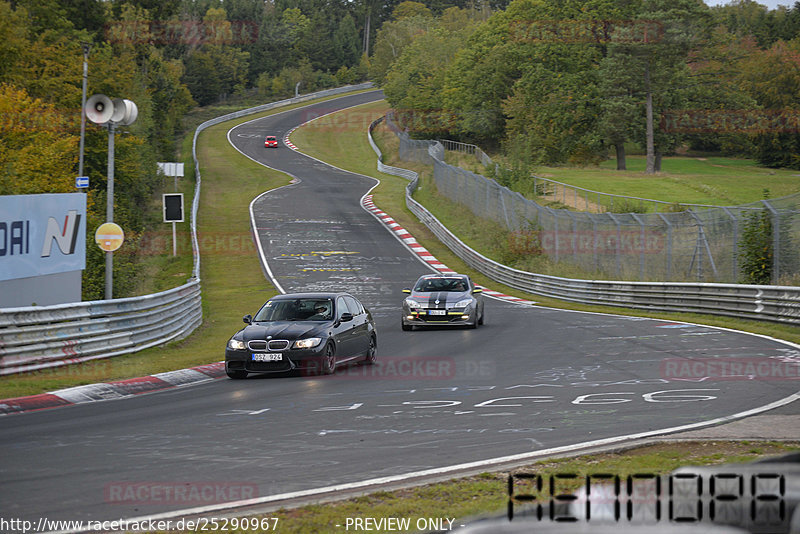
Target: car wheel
[372, 353]
[480, 321]
[329, 360]
[236, 375]
[407, 327]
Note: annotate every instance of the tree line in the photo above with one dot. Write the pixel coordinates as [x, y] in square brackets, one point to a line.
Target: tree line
[168, 56]
[576, 82]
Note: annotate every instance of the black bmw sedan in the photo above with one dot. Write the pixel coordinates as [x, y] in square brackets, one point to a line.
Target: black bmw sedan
[311, 332]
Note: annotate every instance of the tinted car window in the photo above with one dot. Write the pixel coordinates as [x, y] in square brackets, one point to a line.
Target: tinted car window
[296, 310]
[353, 306]
[441, 284]
[341, 306]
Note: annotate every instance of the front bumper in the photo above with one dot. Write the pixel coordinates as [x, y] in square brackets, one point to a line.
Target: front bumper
[291, 359]
[452, 317]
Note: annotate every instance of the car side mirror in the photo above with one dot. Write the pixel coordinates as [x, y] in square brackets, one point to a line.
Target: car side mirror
[346, 316]
[477, 290]
[248, 319]
[407, 290]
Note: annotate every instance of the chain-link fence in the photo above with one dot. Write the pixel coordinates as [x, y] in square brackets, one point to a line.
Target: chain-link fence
[752, 243]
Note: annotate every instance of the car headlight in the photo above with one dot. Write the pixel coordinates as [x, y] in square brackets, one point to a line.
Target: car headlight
[235, 344]
[413, 303]
[307, 343]
[463, 303]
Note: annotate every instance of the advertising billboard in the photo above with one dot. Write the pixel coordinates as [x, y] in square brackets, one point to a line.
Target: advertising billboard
[42, 235]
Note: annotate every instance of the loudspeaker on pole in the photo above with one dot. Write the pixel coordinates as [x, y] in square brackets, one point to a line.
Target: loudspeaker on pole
[99, 109]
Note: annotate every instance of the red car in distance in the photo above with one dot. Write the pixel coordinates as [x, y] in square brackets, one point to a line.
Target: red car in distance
[271, 142]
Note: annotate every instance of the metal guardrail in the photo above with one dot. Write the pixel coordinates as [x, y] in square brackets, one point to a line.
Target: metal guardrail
[772, 303]
[41, 337]
[36, 338]
[714, 245]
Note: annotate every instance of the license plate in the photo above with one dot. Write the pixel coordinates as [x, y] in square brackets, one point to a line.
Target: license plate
[437, 312]
[276, 357]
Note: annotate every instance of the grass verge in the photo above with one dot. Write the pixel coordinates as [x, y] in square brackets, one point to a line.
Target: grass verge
[390, 197]
[713, 180]
[486, 494]
[231, 278]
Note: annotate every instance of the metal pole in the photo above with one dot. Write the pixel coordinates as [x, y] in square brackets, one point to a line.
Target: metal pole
[594, 242]
[619, 242]
[735, 267]
[669, 246]
[86, 47]
[174, 241]
[643, 242]
[776, 242]
[110, 210]
[555, 226]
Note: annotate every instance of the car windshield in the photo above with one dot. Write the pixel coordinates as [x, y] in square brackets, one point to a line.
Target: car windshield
[441, 284]
[307, 309]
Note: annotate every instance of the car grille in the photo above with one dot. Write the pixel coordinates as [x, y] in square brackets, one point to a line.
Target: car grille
[274, 344]
[257, 345]
[261, 367]
[440, 318]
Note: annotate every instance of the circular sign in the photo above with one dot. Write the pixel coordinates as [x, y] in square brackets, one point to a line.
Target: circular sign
[109, 237]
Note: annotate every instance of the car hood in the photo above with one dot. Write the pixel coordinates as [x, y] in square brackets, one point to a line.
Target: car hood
[445, 298]
[290, 330]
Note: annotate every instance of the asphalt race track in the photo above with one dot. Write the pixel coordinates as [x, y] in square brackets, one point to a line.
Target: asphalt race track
[529, 379]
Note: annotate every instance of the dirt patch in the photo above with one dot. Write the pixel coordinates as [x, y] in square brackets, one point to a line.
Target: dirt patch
[567, 196]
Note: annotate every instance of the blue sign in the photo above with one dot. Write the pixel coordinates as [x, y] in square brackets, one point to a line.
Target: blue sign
[81, 181]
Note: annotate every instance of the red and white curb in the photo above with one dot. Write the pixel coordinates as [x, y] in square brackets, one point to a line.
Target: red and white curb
[404, 236]
[423, 253]
[113, 390]
[286, 140]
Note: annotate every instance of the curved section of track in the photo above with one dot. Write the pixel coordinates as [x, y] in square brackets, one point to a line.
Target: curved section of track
[530, 379]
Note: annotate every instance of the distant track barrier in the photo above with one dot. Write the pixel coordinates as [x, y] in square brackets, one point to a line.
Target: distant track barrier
[41, 337]
[772, 303]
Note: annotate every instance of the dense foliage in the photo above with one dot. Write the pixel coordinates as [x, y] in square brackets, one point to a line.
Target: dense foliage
[167, 56]
[574, 81]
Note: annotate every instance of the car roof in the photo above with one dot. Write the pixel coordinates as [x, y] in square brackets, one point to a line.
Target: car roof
[442, 275]
[316, 295]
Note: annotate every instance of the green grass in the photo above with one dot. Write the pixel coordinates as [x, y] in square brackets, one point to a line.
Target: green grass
[231, 279]
[712, 180]
[478, 233]
[485, 494]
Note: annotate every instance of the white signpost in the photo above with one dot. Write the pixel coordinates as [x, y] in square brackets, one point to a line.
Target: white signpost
[168, 168]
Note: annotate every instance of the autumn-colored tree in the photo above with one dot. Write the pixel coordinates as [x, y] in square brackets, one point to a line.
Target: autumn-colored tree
[38, 145]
